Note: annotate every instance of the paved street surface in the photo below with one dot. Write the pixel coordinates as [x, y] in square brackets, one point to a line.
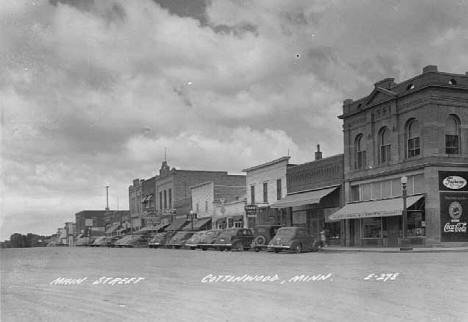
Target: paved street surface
[336, 286]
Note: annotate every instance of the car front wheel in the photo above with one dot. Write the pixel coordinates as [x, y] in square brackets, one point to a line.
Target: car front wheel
[297, 248]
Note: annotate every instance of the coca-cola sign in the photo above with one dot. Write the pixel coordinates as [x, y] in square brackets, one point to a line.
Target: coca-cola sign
[454, 182]
[455, 228]
[453, 216]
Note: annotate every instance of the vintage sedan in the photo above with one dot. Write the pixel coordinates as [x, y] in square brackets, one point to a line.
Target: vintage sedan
[179, 239]
[234, 239]
[100, 241]
[263, 234]
[295, 239]
[208, 239]
[160, 239]
[194, 241]
[136, 240]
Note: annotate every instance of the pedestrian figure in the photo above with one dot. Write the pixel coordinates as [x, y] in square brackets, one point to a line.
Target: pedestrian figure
[323, 238]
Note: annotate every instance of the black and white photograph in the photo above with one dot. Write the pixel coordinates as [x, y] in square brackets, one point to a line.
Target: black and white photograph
[233, 160]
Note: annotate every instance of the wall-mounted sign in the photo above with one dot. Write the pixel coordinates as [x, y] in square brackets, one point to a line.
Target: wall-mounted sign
[453, 181]
[453, 216]
[251, 210]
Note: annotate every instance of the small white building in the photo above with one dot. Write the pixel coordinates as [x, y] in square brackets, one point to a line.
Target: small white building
[266, 184]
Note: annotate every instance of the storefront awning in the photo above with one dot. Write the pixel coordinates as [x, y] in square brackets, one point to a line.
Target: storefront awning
[198, 224]
[177, 224]
[112, 228]
[378, 208]
[303, 198]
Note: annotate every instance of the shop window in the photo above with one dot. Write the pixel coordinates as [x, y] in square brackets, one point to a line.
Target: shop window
[238, 224]
[170, 198]
[376, 190]
[278, 189]
[359, 153]
[230, 223]
[386, 189]
[265, 192]
[413, 139]
[372, 227]
[355, 196]
[396, 187]
[452, 135]
[384, 145]
[416, 223]
[418, 183]
[366, 191]
[252, 194]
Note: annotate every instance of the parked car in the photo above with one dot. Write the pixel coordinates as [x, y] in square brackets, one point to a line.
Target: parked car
[179, 239]
[84, 241]
[234, 239]
[100, 241]
[263, 234]
[136, 240]
[194, 241]
[295, 239]
[208, 239]
[160, 239]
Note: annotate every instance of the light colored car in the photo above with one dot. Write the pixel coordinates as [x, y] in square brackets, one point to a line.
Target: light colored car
[194, 241]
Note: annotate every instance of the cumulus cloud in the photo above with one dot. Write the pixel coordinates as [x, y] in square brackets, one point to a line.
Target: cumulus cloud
[92, 92]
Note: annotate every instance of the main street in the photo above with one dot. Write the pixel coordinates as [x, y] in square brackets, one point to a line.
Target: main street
[105, 284]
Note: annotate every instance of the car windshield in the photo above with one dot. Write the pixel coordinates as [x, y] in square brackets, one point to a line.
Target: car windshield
[286, 232]
[228, 233]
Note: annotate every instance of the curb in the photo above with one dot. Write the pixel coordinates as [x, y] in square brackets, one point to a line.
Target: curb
[414, 250]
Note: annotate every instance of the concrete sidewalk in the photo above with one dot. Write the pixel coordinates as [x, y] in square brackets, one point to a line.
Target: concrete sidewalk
[393, 249]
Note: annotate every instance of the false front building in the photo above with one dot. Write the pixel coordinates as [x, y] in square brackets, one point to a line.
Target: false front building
[408, 137]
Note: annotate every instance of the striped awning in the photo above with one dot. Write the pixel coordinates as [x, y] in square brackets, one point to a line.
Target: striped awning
[377, 208]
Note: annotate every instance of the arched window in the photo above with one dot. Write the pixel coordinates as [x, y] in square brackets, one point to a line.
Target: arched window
[452, 135]
[412, 138]
[359, 153]
[384, 145]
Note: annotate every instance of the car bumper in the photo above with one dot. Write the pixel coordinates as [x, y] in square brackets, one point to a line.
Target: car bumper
[222, 245]
[279, 247]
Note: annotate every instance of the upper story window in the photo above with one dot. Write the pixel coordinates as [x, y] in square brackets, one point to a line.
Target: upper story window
[452, 135]
[206, 205]
[165, 199]
[413, 138]
[265, 192]
[384, 145]
[170, 198]
[278, 189]
[252, 194]
[359, 153]
[160, 200]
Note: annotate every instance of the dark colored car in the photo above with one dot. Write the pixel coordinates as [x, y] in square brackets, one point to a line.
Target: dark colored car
[100, 241]
[208, 239]
[179, 239]
[194, 241]
[234, 239]
[160, 239]
[295, 239]
[263, 234]
[136, 240]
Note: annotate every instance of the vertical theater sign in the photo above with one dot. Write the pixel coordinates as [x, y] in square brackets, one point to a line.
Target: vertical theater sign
[453, 186]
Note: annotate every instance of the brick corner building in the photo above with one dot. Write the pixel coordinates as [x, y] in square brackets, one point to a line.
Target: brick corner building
[418, 130]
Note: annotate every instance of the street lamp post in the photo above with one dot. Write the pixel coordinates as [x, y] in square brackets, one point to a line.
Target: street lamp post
[192, 214]
[404, 241]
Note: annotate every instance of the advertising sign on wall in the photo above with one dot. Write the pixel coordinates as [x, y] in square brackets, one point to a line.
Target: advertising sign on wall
[453, 188]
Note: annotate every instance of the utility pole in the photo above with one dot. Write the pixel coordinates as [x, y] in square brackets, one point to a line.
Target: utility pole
[107, 197]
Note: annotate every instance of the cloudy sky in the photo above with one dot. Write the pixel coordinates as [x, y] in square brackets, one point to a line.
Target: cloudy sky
[91, 92]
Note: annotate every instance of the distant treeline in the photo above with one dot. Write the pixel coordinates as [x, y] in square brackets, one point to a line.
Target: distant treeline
[21, 241]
